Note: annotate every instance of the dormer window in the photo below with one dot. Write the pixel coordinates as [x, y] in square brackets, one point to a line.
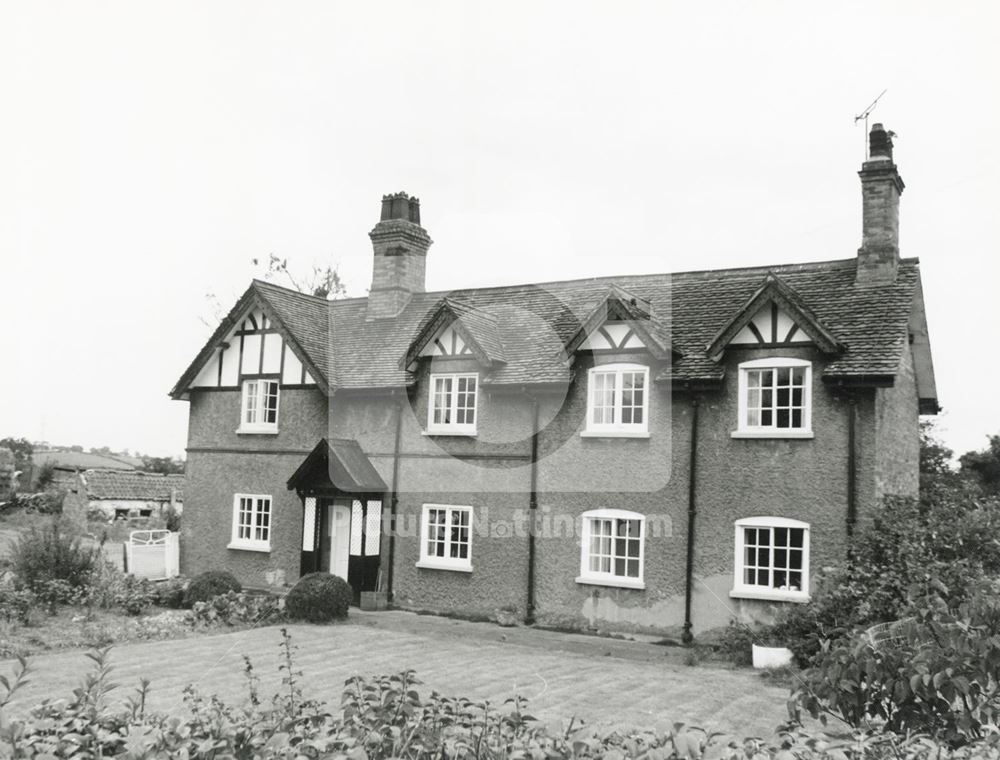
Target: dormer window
[618, 401]
[775, 399]
[452, 406]
[260, 407]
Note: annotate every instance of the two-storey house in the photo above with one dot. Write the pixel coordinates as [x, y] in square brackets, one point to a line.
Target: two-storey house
[655, 453]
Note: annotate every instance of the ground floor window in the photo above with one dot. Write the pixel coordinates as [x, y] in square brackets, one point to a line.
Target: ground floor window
[772, 559]
[251, 522]
[446, 537]
[611, 548]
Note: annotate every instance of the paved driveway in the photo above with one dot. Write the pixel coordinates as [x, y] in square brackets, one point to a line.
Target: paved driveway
[603, 681]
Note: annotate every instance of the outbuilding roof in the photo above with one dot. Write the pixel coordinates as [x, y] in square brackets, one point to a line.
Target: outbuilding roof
[121, 485]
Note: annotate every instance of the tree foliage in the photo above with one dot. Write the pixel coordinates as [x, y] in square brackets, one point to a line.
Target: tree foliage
[22, 449]
[163, 465]
[324, 282]
[984, 465]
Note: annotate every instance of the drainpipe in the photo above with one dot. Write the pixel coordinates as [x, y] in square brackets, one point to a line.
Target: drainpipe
[529, 612]
[394, 496]
[852, 468]
[686, 636]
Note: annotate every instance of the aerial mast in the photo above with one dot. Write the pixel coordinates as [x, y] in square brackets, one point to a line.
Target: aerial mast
[864, 115]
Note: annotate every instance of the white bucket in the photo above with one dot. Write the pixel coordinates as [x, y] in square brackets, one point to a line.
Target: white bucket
[771, 657]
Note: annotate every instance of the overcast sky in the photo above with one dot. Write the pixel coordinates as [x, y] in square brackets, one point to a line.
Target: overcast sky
[149, 151]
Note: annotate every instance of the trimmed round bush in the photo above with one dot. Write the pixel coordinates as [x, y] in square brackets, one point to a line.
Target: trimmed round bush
[210, 584]
[319, 598]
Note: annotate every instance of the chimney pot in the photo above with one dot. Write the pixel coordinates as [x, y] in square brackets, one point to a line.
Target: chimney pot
[881, 186]
[400, 249]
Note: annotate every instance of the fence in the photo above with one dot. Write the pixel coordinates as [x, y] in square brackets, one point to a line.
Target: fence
[153, 554]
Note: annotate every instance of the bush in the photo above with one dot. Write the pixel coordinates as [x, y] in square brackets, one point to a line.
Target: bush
[51, 554]
[15, 605]
[110, 588]
[210, 584]
[170, 593]
[234, 608]
[936, 674]
[319, 598]
[736, 644]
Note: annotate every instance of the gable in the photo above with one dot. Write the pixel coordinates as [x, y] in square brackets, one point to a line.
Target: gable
[448, 342]
[771, 325]
[613, 336]
[253, 347]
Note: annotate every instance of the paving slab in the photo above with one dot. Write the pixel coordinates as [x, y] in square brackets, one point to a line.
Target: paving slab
[603, 681]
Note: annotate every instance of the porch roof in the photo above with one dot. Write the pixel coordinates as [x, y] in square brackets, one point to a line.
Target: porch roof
[337, 464]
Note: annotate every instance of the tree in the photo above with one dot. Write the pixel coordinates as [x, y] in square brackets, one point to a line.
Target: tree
[984, 466]
[22, 449]
[324, 282]
[163, 465]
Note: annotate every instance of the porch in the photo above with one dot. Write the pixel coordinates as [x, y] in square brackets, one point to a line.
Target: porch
[342, 496]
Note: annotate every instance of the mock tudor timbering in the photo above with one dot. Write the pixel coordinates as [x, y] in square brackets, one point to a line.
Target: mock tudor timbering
[691, 429]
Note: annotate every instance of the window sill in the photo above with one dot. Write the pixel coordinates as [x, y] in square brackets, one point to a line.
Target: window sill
[801, 434]
[256, 431]
[613, 582]
[248, 547]
[456, 432]
[614, 434]
[431, 565]
[771, 596]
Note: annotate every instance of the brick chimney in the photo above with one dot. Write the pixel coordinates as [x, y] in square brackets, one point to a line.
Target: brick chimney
[881, 186]
[400, 246]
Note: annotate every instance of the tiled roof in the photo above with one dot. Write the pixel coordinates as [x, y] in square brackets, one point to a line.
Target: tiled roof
[689, 309]
[132, 486]
[532, 323]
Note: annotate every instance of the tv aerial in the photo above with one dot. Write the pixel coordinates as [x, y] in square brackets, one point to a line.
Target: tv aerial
[864, 115]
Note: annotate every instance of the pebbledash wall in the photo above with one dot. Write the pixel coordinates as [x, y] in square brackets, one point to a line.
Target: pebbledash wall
[736, 478]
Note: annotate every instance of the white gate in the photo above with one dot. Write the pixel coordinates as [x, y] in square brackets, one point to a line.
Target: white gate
[153, 554]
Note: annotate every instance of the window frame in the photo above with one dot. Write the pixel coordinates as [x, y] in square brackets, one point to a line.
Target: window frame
[433, 562]
[744, 590]
[598, 578]
[251, 544]
[743, 430]
[617, 429]
[451, 428]
[259, 397]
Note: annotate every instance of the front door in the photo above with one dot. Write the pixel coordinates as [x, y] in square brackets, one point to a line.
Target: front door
[342, 536]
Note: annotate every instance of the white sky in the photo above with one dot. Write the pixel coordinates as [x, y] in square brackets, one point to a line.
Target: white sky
[149, 150]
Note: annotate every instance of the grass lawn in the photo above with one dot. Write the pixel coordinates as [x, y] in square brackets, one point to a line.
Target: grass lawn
[562, 676]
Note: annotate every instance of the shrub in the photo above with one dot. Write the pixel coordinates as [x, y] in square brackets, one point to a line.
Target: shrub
[319, 598]
[210, 584]
[51, 554]
[170, 593]
[110, 588]
[736, 644]
[172, 519]
[937, 674]
[15, 605]
[234, 608]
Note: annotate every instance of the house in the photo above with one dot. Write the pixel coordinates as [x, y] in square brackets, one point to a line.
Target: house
[66, 463]
[646, 453]
[114, 494]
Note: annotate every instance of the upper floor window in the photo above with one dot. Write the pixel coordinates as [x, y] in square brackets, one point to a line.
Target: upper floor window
[775, 399]
[772, 559]
[618, 400]
[611, 548]
[452, 406]
[446, 537]
[251, 522]
[260, 406]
